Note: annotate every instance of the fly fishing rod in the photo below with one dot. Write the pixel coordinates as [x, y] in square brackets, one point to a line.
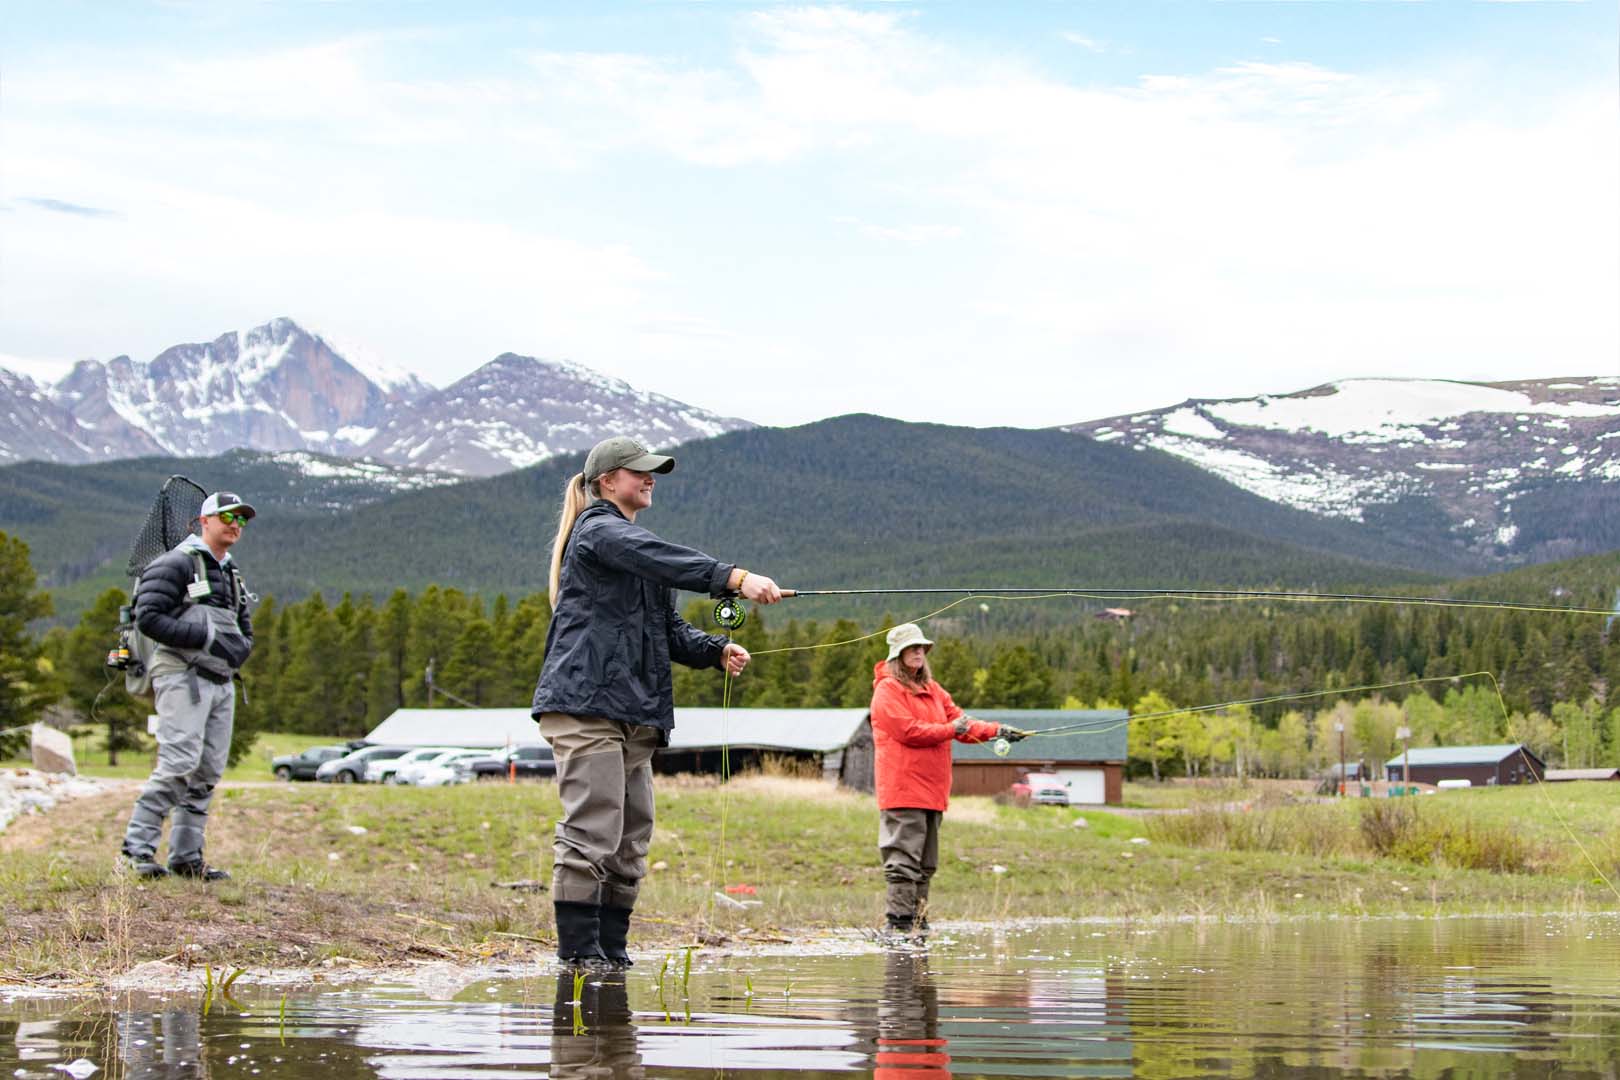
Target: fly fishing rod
[730, 613]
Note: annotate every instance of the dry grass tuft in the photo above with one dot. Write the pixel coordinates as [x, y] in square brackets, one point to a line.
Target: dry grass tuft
[796, 788]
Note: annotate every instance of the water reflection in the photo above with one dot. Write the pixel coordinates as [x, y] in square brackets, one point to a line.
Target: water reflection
[1481, 998]
[909, 1042]
[592, 1034]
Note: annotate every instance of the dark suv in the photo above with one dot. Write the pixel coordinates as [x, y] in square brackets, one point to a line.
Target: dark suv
[302, 766]
[527, 762]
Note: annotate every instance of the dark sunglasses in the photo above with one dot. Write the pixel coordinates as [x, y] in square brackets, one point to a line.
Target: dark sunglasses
[231, 518]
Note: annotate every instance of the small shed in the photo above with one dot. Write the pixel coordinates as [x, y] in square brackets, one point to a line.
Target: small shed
[1555, 775]
[820, 738]
[1481, 766]
[1091, 757]
[476, 729]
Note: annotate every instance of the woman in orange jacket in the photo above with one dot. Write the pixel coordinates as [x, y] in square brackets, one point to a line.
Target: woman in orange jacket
[914, 722]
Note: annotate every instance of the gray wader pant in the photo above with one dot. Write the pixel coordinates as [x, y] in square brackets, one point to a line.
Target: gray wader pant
[604, 777]
[194, 739]
[909, 843]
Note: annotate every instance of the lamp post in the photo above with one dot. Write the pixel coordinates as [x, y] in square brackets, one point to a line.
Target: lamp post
[1405, 735]
[1338, 725]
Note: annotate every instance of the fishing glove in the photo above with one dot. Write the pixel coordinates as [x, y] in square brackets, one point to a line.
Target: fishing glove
[1010, 733]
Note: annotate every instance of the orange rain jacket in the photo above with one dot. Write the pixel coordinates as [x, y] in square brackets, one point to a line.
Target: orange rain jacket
[912, 731]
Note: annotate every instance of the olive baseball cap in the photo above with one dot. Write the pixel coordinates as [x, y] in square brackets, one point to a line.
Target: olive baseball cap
[623, 452]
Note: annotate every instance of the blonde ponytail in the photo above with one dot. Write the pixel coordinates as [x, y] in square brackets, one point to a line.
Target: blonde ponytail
[575, 499]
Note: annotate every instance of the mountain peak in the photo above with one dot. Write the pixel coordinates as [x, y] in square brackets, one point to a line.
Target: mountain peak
[283, 387]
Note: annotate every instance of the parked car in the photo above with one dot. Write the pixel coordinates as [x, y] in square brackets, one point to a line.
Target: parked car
[351, 767]
[412, 773]
[1045, 789]
[447, 768]
[302, 766]
[526, 762]
[386, 770]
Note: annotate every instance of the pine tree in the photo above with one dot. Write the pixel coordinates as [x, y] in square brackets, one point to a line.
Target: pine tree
[389, 669]
[837, 678]
[26, 687]
[473, 672]
[783, 676]
[436, 623]
[312, 682]
[357, 625]
[95, 691]
[954, 666]
[530, 621]
[1017, 679]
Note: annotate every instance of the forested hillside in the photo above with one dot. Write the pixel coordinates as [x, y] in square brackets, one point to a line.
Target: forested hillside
[857, 501]
[339, 666]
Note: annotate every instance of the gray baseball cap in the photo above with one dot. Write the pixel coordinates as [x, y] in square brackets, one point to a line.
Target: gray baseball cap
[623, 452]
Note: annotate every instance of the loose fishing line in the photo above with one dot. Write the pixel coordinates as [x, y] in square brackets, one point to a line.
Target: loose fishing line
[731, 614]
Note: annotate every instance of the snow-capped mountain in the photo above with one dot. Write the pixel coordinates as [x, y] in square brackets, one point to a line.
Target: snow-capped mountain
[1378, 450]
[34, 425]
[279, 387]
[275, 387]
[518, 410]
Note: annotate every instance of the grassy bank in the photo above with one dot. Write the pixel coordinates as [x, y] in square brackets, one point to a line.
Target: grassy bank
[394, 874]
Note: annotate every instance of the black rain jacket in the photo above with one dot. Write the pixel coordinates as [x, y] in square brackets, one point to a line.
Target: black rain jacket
[614, 628]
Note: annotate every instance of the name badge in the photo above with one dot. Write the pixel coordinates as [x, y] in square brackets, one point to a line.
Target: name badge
[198, 589]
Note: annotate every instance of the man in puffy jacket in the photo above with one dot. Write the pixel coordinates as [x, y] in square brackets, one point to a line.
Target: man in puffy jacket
[192, 603]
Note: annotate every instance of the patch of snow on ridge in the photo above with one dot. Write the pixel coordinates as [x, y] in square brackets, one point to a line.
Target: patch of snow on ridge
[388, 376]
[1192, 423]
[1323, 491]
[1390, 409]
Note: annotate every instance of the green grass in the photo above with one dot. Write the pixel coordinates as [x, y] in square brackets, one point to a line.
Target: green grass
[1180, 794]
[90, 753]
[389, 874]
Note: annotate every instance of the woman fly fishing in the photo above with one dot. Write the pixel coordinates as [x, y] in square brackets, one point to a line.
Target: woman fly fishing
[914, 722]
[604, 700]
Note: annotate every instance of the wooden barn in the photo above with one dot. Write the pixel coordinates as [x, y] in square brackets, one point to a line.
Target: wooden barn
[1481, 766]
[821, 740]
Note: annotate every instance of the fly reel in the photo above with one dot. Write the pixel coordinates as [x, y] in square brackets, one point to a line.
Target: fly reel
[730, 613]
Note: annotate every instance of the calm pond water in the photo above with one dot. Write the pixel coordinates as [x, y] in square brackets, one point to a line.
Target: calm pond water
[1425, 998]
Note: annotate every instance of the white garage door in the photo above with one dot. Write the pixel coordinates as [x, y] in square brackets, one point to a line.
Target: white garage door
[1085, 786]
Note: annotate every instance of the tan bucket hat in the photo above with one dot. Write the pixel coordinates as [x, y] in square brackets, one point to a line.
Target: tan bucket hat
[907, 633]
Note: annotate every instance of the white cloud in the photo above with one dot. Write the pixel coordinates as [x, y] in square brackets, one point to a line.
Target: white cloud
[1084, 42]
[1256, 226]
[42, 369]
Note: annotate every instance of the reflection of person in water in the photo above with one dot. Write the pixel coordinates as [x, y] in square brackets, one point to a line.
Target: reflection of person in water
[909, 1044]
[594, 1036]
[174, 1048]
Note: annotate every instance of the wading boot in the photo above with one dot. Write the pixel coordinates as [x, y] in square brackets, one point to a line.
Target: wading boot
[579, 936]
[142, 866]
[901, 925]
[615, 932]
[199, 870]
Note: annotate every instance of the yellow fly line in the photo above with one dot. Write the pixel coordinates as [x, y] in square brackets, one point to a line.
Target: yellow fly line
[1194, 595]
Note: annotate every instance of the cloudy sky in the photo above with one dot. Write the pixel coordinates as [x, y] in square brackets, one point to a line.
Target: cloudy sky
[971, 213]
